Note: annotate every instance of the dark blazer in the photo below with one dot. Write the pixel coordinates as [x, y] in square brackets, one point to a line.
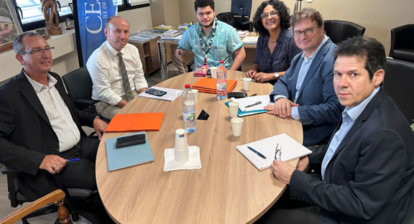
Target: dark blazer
[319, 108]
[369, 177]
[26, 134]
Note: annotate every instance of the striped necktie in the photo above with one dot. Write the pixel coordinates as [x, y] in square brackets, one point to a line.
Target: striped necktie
[125, 80]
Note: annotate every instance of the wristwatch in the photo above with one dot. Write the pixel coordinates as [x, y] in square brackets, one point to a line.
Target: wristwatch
[276, 75]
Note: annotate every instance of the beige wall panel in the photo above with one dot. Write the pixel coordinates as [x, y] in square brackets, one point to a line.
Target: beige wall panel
[172, 12]
[157, 12]
[138, 18]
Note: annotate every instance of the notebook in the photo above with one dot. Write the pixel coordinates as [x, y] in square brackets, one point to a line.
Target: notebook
[247, 113]
[253, 103]
[135, 122]
[171, 95]
[119, 158]
[291, 149]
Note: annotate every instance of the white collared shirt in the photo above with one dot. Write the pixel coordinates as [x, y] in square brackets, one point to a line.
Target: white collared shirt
[103, 66]
[58, 113]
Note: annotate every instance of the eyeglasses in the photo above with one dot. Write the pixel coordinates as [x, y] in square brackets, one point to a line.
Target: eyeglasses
[38, 51]
[271, 14]
[309, 31]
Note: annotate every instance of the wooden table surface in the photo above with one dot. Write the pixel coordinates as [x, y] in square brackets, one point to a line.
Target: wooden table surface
[227, 189]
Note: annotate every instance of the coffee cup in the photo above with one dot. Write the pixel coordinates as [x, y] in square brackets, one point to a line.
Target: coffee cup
[233, 109]
[246, 84]
[236, 126]
[181, 147]
[213, 71]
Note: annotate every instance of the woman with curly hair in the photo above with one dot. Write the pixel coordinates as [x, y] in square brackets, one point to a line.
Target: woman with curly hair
[276, 46]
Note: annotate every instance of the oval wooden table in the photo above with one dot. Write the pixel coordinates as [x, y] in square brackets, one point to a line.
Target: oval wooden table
[227, 189]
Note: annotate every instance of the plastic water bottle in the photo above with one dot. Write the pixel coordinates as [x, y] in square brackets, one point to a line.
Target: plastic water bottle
[189, 109]
[221, 81]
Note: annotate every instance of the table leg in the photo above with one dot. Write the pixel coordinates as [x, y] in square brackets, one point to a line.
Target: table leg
[163, 59]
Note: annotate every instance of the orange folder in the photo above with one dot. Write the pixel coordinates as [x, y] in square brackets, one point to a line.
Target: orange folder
[208, 85]
[135, 122]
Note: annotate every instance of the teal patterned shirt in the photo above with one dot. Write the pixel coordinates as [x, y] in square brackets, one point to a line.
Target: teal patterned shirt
[225, 42]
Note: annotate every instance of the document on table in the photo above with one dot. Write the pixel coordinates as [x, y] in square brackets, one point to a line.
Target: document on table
[253, 102]
[171, 95]
[290, 148]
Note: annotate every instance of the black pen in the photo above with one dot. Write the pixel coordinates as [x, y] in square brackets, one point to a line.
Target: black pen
[253, 104]
[258, 153]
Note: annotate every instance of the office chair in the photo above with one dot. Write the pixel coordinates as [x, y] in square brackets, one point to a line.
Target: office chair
[398, 83]
[16, 198]
[79, 86]
[239, 17]
[402, 44]
[56, 197]
[339, 30]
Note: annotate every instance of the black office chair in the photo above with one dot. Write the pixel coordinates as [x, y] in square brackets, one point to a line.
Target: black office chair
[402, 44]
[79, 86]
[339, 30]
[16, 198]
[398, 83]
[239, 17]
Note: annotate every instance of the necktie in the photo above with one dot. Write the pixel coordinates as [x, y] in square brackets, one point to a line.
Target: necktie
[125, 80]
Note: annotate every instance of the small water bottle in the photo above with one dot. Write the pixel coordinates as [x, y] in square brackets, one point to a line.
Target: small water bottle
[221, 81]
[189, 109]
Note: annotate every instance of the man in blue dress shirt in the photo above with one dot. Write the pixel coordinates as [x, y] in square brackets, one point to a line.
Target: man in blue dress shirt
[367, 169]
[210, 40]
[305, 92]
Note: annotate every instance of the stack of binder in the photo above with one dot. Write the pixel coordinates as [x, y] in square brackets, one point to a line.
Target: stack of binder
[207, 85]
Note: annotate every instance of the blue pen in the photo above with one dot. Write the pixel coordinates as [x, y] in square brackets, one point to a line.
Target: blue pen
[258, 153]
[73, 160]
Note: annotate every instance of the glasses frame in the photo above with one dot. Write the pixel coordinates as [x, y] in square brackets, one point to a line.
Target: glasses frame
[306, 32]
[272, 14]
[38, 51]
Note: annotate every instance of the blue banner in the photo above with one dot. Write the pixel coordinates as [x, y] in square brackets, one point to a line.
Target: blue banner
[92, 15]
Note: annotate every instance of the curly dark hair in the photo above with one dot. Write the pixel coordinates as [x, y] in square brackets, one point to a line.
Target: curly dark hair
[282, 12]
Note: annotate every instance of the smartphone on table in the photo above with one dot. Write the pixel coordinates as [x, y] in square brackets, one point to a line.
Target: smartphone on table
[155, 92]
[130, 140]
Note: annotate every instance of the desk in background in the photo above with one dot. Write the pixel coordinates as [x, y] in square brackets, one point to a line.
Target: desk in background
[148, 53]
[167, 49]
[227, 189]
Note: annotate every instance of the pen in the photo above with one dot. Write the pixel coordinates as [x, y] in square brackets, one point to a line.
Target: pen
[258, 153]
[73, 160]
[253, 104]
[278, 152]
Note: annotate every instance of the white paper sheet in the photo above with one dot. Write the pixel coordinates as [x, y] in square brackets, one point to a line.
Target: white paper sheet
[291, 149]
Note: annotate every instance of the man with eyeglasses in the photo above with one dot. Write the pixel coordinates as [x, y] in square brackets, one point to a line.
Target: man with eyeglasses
[306, 92]
[210, 40]
[367, 168]
[40, 129]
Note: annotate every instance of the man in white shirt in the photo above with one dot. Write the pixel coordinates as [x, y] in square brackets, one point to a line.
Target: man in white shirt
[106, 67]
[40, 128]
